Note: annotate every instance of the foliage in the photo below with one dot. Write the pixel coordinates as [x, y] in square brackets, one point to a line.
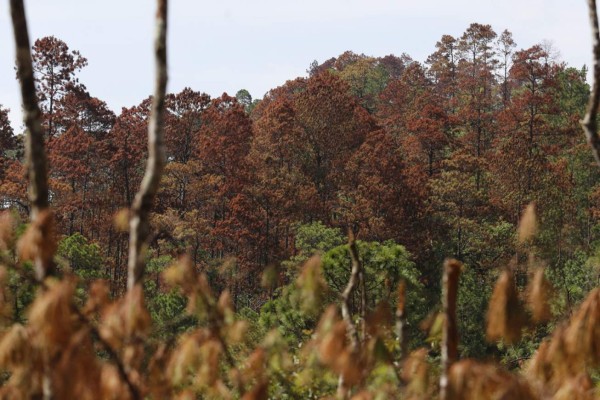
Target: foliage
[417, 161]
[83, 258]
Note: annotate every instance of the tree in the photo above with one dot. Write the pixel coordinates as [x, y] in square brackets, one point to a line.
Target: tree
[382, 197]
[506, 46]
[476, 77]
[281, 192]
[367, 78]
[245, 98]
[223, 144]
[184, 119]
[525, 137]
[332, 126]
[87, 112]
[55, 66]
[442, 68]
[385, 264]
[412, 111]
[7, 140]
[12, 185]
[84, 258]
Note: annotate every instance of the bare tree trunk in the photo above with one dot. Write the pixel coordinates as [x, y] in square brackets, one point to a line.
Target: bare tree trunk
[35, 161]
[139, 224]
[35, 155]
[452, 269]
[589, 122]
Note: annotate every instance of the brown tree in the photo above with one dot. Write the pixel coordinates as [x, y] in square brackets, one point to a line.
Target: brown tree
[55, 66]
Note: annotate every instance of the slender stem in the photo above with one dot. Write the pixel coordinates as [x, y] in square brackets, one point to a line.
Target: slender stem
[142, 204]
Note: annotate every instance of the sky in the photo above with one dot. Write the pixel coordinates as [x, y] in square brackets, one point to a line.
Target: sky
[224, 46]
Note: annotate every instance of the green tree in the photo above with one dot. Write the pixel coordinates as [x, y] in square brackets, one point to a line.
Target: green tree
[83, 257]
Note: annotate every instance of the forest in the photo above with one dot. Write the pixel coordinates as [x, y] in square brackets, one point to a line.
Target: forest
[381, 228]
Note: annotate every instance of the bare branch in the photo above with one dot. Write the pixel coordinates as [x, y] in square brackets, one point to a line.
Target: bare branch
[35, 155]
[452, 269]
[139, 224]
[355, 277]
[589, 122]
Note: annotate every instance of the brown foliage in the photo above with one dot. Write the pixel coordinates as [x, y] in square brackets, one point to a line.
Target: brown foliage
[539, 292]
[39, 240]
[470, 380]
[505, 316]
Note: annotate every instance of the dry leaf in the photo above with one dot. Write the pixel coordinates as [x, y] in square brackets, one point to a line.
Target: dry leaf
[505, 316]
[538, 296]
[528, 224]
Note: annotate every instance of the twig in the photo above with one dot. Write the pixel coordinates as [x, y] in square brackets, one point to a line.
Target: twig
[35, 155]
[589, 122]
[452, 269]
[139, 224]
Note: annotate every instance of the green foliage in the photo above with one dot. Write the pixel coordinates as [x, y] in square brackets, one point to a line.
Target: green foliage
[283, 313]
[573, 279]
[473, 296]
[367, 79]
[166, 306]
[255, 330]
[245, 98]
[312, 238]
[385, 264]
[83, 257]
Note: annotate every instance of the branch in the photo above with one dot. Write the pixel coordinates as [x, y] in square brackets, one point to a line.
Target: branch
[452, 269]
[355, 277]
[35, 155]
[589, 122]
[139, 224]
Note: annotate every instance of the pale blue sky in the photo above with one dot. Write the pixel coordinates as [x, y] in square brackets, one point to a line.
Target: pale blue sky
[217, 46]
